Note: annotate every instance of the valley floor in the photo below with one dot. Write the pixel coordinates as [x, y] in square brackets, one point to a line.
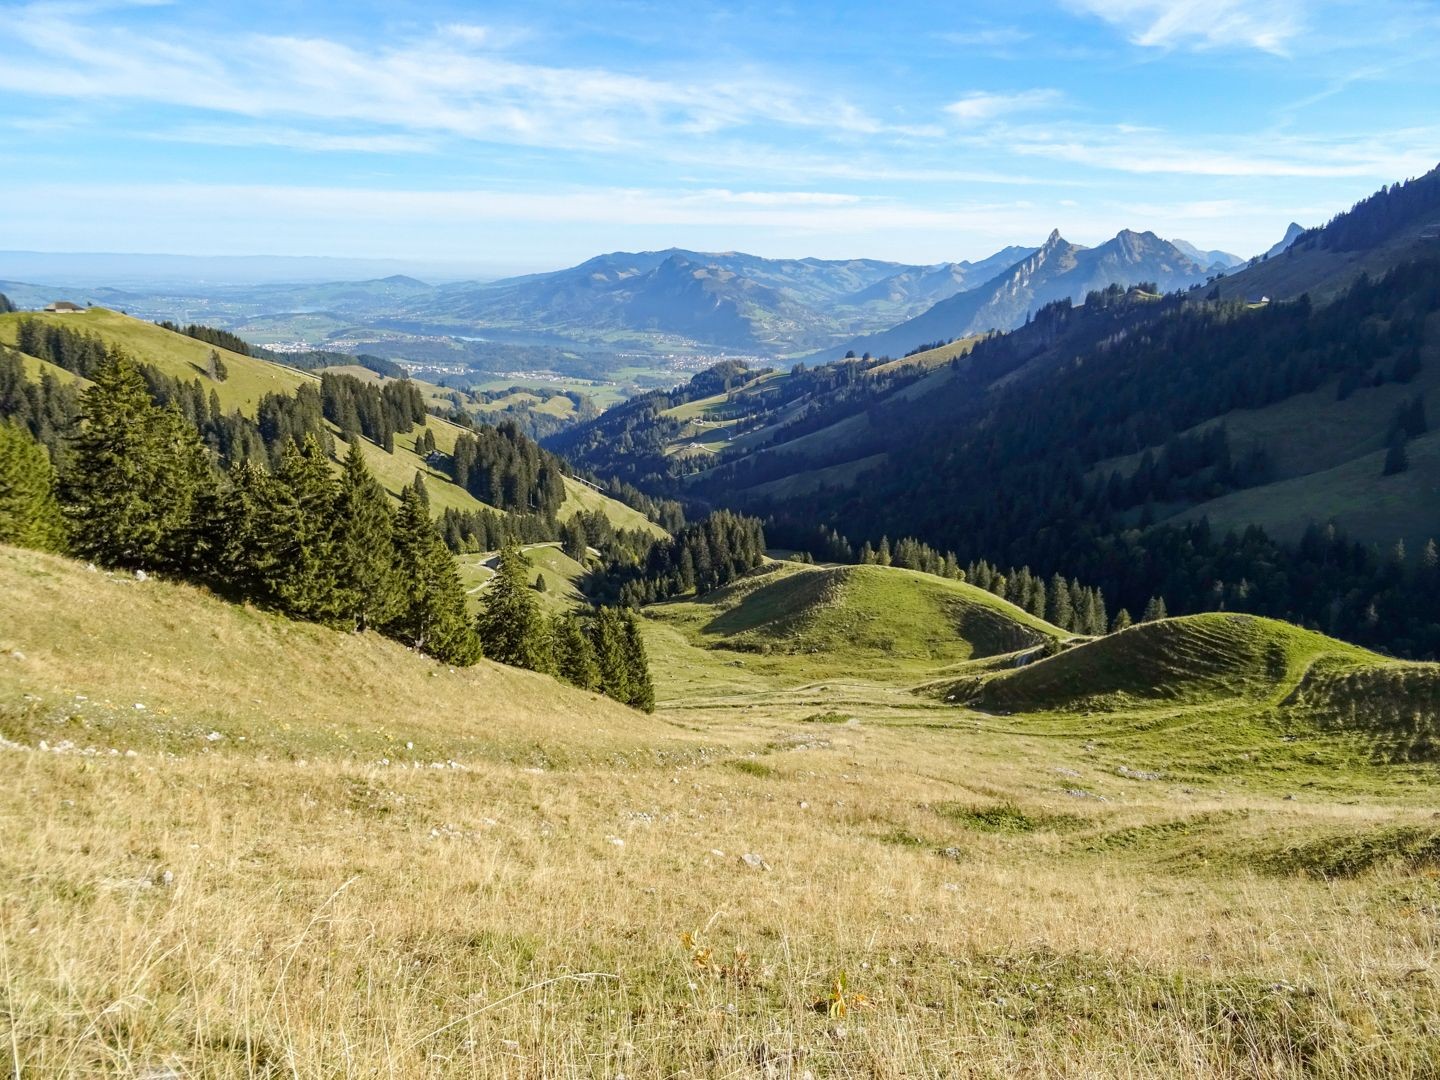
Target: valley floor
[775, 876]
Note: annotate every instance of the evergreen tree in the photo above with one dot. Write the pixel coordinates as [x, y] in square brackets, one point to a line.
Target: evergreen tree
[300, 534]
[244, 554]
[608, 634]
[1122, 621]
[573, 540]
[1155, 609]
[432, 615]
[136, 476]
[574, 654]
[512, 630]
[1058, 608]
[367, 588]
[637, 663]
[29, 513]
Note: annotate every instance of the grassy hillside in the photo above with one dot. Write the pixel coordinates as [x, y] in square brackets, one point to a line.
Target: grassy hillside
[561, 573]
[250, 378]
[928, 890]
[102, 660]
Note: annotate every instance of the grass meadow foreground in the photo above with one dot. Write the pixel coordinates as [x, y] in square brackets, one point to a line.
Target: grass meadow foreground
[311, 855]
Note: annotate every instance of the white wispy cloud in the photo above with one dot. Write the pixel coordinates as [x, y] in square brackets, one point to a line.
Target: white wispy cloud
[1267, 25]
[980, 106]
[1373, 155]
[458, 81]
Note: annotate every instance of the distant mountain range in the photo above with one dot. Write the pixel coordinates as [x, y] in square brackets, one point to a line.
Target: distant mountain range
[678, 299]
[1058, 270]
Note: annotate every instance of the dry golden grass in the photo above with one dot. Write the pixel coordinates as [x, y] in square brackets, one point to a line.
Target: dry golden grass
[932, 902]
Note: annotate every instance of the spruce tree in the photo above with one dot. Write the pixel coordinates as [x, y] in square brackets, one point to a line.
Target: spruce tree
[135, 477]
[431, 615]
[608, 634]
[244, 553]
[29, 514]
[512, 630]
[300, 527]
[1122, 621]
[1155, 609]
[1058, 609]
[637, 663]
[574, 654]
[367, 588]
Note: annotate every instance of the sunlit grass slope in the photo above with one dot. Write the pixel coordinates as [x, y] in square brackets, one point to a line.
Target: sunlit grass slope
[104, 660]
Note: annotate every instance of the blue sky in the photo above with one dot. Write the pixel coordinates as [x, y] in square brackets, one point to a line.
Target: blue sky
[509, 137]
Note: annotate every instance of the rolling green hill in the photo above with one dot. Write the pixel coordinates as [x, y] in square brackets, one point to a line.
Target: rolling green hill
[799, 619]
[1222, 694]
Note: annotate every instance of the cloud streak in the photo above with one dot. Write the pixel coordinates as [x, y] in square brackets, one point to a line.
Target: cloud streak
[1266, 25]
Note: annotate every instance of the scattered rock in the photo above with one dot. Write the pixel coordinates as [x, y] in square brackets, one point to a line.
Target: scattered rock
[1071, 773]
[214, 736]
[950, 886]
[1140, 774]
[140, 575]
[16, 654]
[139, 706]
[615, 841]
[755, 862]
[950, 853]
[1081, 793]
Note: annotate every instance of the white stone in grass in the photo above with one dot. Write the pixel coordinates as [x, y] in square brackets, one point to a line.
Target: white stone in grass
[214, 736]
[139, 706]
[755, 862]
[615, 841]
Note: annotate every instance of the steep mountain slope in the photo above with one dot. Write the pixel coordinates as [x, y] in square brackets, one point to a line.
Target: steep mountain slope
[1212, 261]
[1292, 233]
[1397, 223]
[1058, 270]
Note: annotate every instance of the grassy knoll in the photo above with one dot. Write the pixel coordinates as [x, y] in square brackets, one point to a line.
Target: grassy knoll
[852, 618]
[933, 891]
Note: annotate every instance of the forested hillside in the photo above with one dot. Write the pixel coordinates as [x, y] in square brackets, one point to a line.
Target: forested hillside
[1204, 449]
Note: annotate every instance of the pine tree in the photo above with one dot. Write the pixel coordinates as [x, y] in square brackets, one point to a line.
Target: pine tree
[29, 514]
[608, 634]
[574, 654]
[637, 663]
[512, 630]
[1122, 621]
[367, 588]
[300, 534]
[135, 476]
[1058, 609]
[242, 544]
[432, 615]
[1155, 609]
